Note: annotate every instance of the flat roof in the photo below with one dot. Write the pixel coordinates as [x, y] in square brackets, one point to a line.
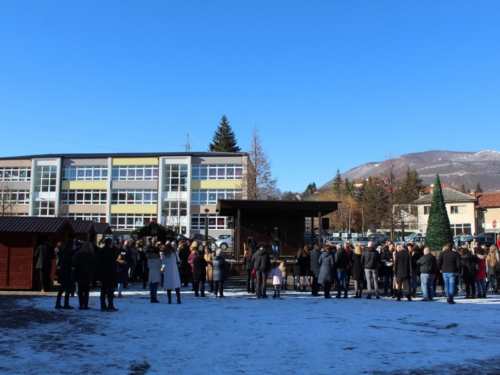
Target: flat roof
[126, 155]
[230, 207]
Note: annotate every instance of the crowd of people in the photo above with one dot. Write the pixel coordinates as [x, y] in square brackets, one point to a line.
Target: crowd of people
[389, 271]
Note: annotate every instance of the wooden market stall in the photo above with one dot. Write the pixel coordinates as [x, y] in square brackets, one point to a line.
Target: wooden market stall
[19, 238]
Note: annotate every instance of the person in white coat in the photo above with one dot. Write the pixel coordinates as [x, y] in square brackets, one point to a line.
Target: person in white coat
[170, 260]
[154, 265]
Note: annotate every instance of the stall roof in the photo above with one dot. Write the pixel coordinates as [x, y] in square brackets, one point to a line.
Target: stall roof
[103, 228]
[83, 226]
[230, 207]
[31, 224]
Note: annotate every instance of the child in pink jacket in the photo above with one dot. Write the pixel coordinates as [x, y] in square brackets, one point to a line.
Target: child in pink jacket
[277, 279]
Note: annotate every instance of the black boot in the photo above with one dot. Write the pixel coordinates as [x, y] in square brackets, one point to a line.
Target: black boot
[178, 294]
[169, 295]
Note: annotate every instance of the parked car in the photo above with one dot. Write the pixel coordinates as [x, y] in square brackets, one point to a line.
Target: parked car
[486, 238]
[201, 237]
[224, 241]
[378, 239]
[415, 240]
[335, 240]
[180, 237]
[361, 241]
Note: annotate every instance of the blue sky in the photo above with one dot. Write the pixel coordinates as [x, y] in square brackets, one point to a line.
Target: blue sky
[329, 84]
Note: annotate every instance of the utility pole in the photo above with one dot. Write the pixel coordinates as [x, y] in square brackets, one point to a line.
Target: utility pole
[187, 145]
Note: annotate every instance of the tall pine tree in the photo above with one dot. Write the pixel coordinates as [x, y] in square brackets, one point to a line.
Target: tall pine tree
[438, 226]
[479, 189]
[224, 139]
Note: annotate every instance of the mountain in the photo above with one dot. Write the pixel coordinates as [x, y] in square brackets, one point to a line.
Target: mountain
[454, 168]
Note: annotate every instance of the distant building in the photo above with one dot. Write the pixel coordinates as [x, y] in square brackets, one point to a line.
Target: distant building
[124, 189]
[465, 215]
[491, 203]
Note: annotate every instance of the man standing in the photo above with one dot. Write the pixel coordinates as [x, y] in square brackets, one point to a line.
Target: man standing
[261, 265]
[276, 243]
[45, 254]
[428, 265]
[370, 259]
[341, 262]
[314, 269]
[106, 271]
[403, 271]
[449, 263]
[388, 262]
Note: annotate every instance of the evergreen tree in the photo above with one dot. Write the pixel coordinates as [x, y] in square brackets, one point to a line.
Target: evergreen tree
[438, 227]
[462, 188]
[409, 188]
[479, 189]
[337, 183]
[224, 139]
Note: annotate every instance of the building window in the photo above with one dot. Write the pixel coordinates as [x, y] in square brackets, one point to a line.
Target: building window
[174, 208]
[205, 196]
[85, 173]
[134, 197]
[98, 218]
[459, 229]
[15, 197]
[217, 172]
[130, 221]
[458, 210]
[8, 174]
[46, 178]
[427, 210]
[135, 173]
[214, 222]
[84, 197]
[176, 177]
[44, 208]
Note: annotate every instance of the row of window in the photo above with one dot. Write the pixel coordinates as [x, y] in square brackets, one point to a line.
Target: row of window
[8, 174]
[453, 210]
[85, 173]
[98, 218]
[84, 197]
[214, 222]
[135, 173]
[14, 197]
[217, 172]
[134, 197]
[130, 221]
[210, 196]
[174, 209]
[176, 177]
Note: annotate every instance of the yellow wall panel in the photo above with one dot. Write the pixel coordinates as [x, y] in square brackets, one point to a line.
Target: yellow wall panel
[216, 184]
[133, 209]
[135, 161]
[84, 185]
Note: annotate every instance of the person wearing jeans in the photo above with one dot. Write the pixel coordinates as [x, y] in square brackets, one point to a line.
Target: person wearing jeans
[449, 263]
[370, 259]
[428, 265]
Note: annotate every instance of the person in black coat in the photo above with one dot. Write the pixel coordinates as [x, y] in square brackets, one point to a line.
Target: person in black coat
[248, 267]
[314, 269]
[262, 265]
[371, 262]
[428, 267]
[219, 272]
[469, 262]
[403, 271]
[300, 268]
[85, 264]
[341, 263]
[327, 265]
[45, 253]
[184, 267]
[358, 272]
[107, 273]
[387, 258]
[199, 274]
[64, 274]
[449, 262]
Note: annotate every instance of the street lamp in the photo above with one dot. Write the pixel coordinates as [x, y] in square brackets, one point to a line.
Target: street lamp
[206, 224]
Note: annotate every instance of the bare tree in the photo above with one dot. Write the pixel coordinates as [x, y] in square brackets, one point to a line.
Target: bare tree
[258, 182]
[6, 202]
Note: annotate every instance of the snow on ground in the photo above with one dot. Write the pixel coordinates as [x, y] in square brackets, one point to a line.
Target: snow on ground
[242, 335]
